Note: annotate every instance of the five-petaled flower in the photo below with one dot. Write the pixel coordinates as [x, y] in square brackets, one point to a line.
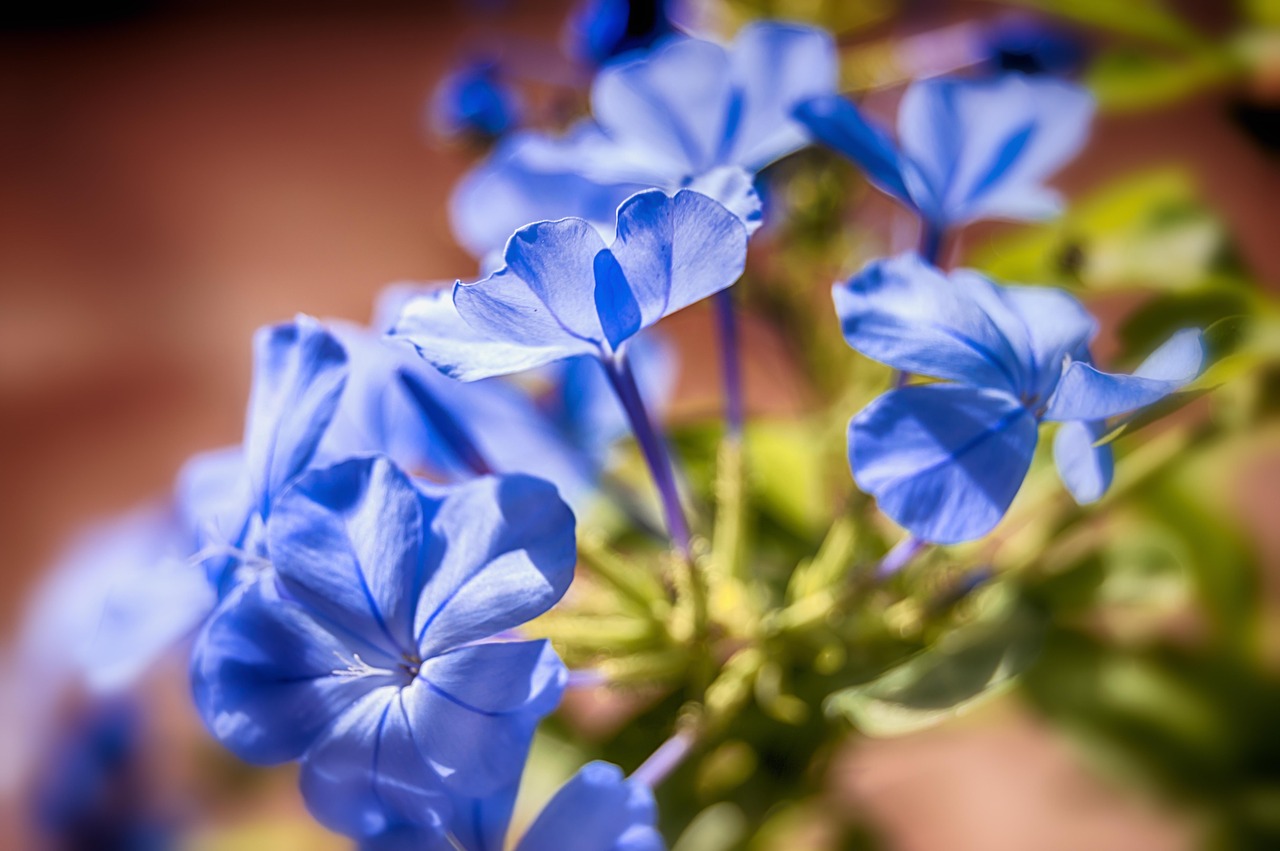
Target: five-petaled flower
[945, 460]
[564, 292]
[687, 114]
[966, 149]
[378, 649]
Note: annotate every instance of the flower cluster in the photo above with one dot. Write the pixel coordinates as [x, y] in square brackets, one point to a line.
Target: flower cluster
[360, 572]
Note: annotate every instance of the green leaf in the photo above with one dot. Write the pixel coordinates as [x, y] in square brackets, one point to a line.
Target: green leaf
[967, 667]
[1145, 19]
[1148, 231]
[1130, 80]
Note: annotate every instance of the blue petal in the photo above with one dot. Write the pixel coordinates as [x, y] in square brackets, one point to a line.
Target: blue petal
[597, 810]
[480, 824]
[407, 837]
[673, 104]
[905, 313]
[474, 99]
[838, 124]
[1085, 469]
[299, 373]
[1057, 326]
[734, 189]
[943, 460]
[366, 775]
[474, 710]
[776, 66]
[532, 178]
[330, 543]
[503, 552]
[432, 324]
[267, 678]
[1086, 393]
[983, 148]
[215, 500]
[542, 298]
[676, 250]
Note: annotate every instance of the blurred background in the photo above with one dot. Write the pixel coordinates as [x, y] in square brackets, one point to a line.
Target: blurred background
[176, 174]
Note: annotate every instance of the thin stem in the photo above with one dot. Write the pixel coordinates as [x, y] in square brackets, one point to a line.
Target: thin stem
[664, 760]
[730, 363]
[899, 557]
[931, 239]
[651, 446]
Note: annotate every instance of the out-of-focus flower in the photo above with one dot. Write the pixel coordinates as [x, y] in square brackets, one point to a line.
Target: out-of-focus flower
[1030, 45]
[688, 114]
[90, 793]
[563, 292]
[965, 149]
[596, 810]
[599, 30]
[373, 650]
[945, 460]
[474, 99]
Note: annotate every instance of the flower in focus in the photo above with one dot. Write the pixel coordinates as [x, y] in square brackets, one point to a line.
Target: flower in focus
[475, 100]
[688, 114]
[596, 810]
[563, 292]
[945, 460]
[965, 149]
[376, 650]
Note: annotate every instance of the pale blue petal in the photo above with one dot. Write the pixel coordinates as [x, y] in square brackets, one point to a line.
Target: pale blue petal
[1058, 327]
[432, 324]
[533, 178]
[215, 500]
[907, 314]
[983, 148]
[1087, 393]
[474, 710]
[774, 67]
[1085, 469]
[673, 103]
[503, 552]
[676, 250]
[267, 678]
[365, 774]
[544, 296]
[597, 810]
[734, 189]
[838, 124]
[299, 373]
[942, 460]
[329, 542]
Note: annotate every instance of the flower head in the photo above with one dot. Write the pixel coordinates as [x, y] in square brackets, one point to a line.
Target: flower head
[371, 650]
[965, 149]
[687, 114]
[945, 460]
[474, 99]
[564, 292]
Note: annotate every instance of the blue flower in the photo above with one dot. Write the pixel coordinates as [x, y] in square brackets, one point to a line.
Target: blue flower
[688, 114]
[474, 99]
[91, 790]
[563, 292]
[597, 810]
[599, 30]
[945, 460]
[966, 149]
[1030, 45]
[371, 652]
